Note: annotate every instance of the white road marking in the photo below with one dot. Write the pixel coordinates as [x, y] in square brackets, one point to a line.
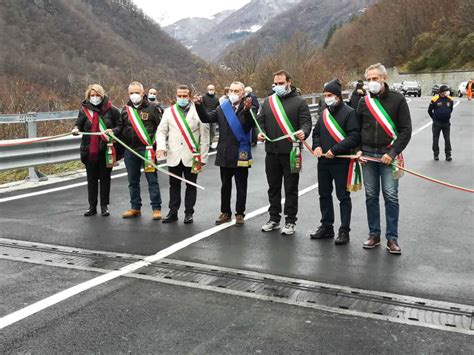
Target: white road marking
[258, 275]
[72, 291]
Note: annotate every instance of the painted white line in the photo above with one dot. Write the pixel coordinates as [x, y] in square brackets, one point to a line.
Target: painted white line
[273, 298]
[66, 187]
[70, 292]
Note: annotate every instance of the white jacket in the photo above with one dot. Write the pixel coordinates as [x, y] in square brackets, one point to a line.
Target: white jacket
[177, 149]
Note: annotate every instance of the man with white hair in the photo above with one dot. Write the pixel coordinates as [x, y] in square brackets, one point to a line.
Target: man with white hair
[384, 118]
[140, 121]
[234, 156]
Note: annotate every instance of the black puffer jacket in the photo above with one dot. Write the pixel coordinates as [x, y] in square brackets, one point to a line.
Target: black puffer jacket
[298, 113]
[347, 119]
[111, 117]
[373, 137]
[151, 117]
[210, 102]
[228, 146]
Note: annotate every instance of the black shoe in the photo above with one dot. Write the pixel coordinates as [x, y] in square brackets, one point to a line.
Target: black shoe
[171, 217]
[342, 238]
[188, 218]
[104, 211]
[323, 233]
[448, 158]
[90, 212]
[436, 157]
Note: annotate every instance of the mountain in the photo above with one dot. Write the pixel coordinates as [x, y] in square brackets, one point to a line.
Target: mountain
[188, 30]
[313, 18]
[60, 46]
[239, 25]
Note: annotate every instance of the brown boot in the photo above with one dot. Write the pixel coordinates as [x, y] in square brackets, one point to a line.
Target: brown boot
[393, 247]
[239, 220]
[156, 215]
[131, 213]
[223, 218]
[372, 242]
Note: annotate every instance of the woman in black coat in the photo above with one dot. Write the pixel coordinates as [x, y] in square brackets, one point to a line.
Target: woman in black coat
[97, 151]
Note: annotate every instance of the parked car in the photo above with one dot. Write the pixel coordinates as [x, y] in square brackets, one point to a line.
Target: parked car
[411, 88]
[435, 89]
[462, 89]
[397, 87]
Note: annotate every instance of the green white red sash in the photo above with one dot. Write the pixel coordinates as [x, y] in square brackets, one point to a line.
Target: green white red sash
[188, 136]
[354, 176]
[110, 152]
[287, 129]
[144, 137]
[386, 122]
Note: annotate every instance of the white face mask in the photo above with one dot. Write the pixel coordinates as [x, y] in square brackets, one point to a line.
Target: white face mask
[95, 100]
[211, 92]
[135, 98]
[234, 98]
[330, 101]
[375, 87]
[152, 97]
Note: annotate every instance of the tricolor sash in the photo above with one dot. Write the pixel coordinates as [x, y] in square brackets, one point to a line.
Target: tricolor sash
[245, 153]
[386, 122]
[110, 152]
[188, 136]
[354, 176]
[284, 122]
[144, 137]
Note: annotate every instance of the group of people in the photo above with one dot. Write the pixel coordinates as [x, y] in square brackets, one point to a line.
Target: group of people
[380, 128]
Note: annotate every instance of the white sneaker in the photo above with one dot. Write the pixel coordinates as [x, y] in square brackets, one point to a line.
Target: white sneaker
[289, 229]
[270, 226]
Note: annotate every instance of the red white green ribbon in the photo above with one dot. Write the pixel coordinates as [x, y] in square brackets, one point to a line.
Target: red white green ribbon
[110, 152]
[144, 137]
[287, 128]
[386, 122]
[354, 175]
[188, 136]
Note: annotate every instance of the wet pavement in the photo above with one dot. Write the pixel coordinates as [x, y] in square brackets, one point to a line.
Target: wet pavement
[436, 228]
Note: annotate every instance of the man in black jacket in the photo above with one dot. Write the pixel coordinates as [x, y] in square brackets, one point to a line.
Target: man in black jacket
[140, 121]
[283, 113]
[335, 133]
[210, 102]
[357, 94]
[440, 109]
[385, 124]
[229, 149]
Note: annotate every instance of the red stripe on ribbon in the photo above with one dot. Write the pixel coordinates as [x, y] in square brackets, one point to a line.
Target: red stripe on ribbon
[136, 129]
[282, 127]
[183, 133]
[372, 111]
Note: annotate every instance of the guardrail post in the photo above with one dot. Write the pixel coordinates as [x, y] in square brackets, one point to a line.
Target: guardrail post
[33, 173]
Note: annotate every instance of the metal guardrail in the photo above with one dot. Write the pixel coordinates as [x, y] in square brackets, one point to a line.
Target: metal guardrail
[58, 150]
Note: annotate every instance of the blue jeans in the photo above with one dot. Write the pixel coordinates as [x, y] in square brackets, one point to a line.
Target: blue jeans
[134, 165]
[374, 173]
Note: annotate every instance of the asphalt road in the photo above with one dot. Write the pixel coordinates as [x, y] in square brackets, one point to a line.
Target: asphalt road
[139, 316]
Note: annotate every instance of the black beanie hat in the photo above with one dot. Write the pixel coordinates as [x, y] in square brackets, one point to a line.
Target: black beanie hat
[334, 87]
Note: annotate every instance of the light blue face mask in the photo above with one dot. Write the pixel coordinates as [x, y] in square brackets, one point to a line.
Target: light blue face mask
[280, 90]
[182, 102]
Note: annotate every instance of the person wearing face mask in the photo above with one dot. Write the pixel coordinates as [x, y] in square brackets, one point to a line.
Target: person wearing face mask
[97, 152]
[283, 113]
[140, 122]
[384, 118]
[188, 146]
[210, 103]
[357, 94]
[153, 98]
[335, 133]
[440, 109]
[234, 156]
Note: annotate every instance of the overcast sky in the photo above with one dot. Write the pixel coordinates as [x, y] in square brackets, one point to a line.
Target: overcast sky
[166, 12]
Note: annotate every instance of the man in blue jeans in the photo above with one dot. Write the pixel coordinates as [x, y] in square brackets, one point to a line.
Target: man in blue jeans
[385, 124]
[140, 121]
